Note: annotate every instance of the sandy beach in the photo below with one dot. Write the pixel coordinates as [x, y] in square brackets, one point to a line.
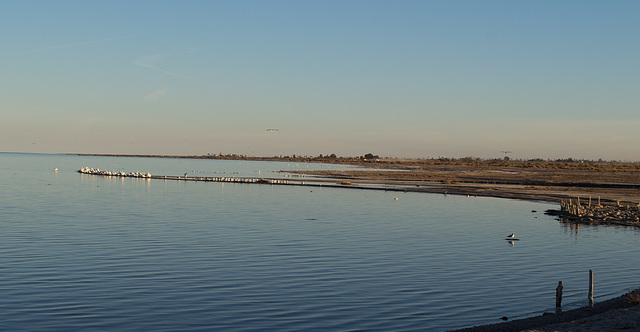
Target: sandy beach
[551, 181]
[547, 182]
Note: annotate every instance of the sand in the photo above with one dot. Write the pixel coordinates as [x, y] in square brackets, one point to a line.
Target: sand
[541, 184]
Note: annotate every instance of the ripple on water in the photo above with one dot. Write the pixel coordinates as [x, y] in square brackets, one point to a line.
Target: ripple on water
[91, 253]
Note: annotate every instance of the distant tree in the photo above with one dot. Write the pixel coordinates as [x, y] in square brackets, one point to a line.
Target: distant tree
[369, 156]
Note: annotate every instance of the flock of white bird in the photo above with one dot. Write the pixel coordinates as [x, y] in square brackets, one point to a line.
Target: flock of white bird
[97, 171]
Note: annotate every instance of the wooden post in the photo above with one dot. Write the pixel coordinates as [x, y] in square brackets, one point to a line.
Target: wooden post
[571, 207]
[590, 288]
[559, 295]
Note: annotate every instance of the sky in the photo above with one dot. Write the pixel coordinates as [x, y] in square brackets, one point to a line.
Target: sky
[415, 79]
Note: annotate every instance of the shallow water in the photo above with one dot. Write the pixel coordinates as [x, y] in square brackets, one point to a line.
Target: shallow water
[82, 252]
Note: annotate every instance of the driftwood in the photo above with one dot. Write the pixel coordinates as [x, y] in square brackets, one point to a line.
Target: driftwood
[618, 214]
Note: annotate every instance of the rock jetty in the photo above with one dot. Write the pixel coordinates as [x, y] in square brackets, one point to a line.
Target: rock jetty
[137, 174]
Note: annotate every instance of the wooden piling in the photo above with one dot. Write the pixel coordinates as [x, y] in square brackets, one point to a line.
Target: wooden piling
[559, 295]
[590, 296]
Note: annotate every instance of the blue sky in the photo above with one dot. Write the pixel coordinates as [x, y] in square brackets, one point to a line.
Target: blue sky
[544, 79]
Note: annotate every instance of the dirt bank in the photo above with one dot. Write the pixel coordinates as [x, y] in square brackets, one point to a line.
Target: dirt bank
[544, 184]
[611, 315]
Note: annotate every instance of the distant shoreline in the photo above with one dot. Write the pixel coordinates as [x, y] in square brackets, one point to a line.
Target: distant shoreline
[550, 181]
[560, 163]
[337, 160]
[607, 183]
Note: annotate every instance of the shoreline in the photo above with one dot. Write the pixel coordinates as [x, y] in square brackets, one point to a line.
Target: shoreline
[616, 313]
[610, 183]
[557, 178]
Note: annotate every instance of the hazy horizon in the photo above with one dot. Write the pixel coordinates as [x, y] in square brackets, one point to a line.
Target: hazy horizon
[323, 157]
[415, 79]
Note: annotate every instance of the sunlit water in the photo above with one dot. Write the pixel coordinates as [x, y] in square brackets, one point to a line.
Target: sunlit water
[83, 252]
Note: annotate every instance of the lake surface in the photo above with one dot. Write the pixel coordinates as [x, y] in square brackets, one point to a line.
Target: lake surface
[84, 252]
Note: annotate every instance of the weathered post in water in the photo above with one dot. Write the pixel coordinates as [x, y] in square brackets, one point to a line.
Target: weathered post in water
[590, 288]
[559, 296]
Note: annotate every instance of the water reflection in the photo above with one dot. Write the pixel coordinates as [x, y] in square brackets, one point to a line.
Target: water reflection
[575, 228]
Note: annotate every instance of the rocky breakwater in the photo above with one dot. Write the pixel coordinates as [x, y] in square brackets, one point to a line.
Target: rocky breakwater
[97, 171]
[575, 211]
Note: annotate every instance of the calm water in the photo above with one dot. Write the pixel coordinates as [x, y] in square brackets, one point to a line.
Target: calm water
[81, 252]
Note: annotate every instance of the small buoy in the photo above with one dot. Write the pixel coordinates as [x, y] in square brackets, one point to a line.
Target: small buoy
[55, 169]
